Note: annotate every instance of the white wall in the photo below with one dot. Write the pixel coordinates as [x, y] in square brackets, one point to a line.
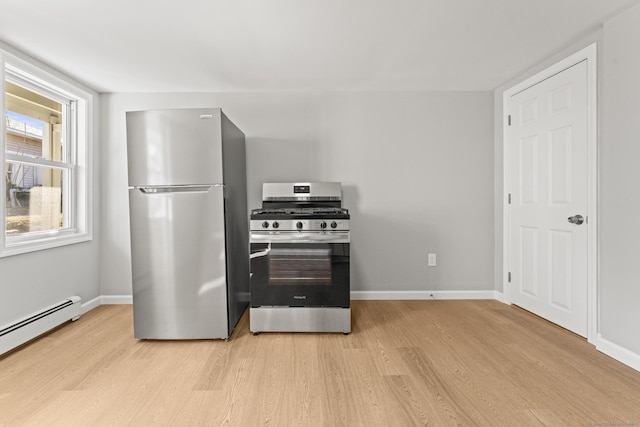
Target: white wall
[620, 183]
[33, 281]
[417, 170]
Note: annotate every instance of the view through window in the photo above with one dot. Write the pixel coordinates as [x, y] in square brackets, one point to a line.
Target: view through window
[36, 166]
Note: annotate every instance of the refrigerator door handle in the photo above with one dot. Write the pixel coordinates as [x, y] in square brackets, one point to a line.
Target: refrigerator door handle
[177, 189]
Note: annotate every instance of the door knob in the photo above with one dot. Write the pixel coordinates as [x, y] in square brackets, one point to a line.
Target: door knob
[576, 219]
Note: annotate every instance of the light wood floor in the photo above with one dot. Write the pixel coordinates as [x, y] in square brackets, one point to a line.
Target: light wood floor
[439, 363]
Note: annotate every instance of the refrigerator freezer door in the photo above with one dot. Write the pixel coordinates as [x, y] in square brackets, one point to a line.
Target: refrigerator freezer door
[178, 262]
[174, 147]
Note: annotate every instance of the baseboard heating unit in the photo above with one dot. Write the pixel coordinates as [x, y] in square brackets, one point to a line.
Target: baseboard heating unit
[28, 328]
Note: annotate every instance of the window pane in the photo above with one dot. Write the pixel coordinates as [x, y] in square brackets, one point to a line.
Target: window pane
[34, 124]
[34, 198]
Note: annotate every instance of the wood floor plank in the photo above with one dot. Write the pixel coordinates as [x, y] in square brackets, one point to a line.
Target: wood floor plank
[439, 363]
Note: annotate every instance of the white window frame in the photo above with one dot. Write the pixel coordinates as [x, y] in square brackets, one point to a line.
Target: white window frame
[77, 206]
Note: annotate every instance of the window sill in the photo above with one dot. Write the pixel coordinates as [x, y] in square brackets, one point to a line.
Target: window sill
[19, 248]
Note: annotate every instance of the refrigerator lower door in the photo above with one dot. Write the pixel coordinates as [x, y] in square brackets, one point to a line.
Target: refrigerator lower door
[178, 262]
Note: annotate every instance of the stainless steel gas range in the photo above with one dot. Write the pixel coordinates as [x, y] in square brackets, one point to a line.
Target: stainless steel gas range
[300, 278]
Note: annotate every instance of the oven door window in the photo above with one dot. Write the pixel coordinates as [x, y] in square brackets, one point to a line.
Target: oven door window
[300, 267]
[300, 274]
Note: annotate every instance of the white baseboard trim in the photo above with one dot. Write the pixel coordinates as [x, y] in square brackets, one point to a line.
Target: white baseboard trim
[106, 300]
[356, 295]
[117, 299]
[422, 295]
[500, 297]
[91, 304]
[618, 352]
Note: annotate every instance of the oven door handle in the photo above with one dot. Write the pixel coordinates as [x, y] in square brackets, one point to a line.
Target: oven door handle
[301, 237]
[261, 253]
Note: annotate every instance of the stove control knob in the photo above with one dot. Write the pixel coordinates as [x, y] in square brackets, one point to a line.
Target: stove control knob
[323, 225]
[334, 224]
[265, 224]
[275, 224]
[299, 225]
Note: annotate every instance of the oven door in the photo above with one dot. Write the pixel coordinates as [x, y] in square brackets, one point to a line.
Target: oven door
[293, 274]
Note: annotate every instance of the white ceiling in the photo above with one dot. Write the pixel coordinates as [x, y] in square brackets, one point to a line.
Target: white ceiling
[252, 45]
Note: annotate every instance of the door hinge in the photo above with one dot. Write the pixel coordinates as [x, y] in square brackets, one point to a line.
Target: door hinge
[509, 120]
[509, 277]
[509, 198]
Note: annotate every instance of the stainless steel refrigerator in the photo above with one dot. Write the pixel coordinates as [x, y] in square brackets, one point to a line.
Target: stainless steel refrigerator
[189, 223]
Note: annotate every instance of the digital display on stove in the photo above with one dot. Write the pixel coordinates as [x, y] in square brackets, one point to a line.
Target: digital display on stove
[301, 189]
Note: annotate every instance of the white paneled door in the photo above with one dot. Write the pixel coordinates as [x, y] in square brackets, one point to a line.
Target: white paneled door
[549, 176]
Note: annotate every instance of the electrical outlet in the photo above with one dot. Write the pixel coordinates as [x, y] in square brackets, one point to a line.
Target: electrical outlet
[431, 260]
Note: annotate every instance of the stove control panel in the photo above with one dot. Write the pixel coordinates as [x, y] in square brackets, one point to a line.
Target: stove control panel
[300, 225]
